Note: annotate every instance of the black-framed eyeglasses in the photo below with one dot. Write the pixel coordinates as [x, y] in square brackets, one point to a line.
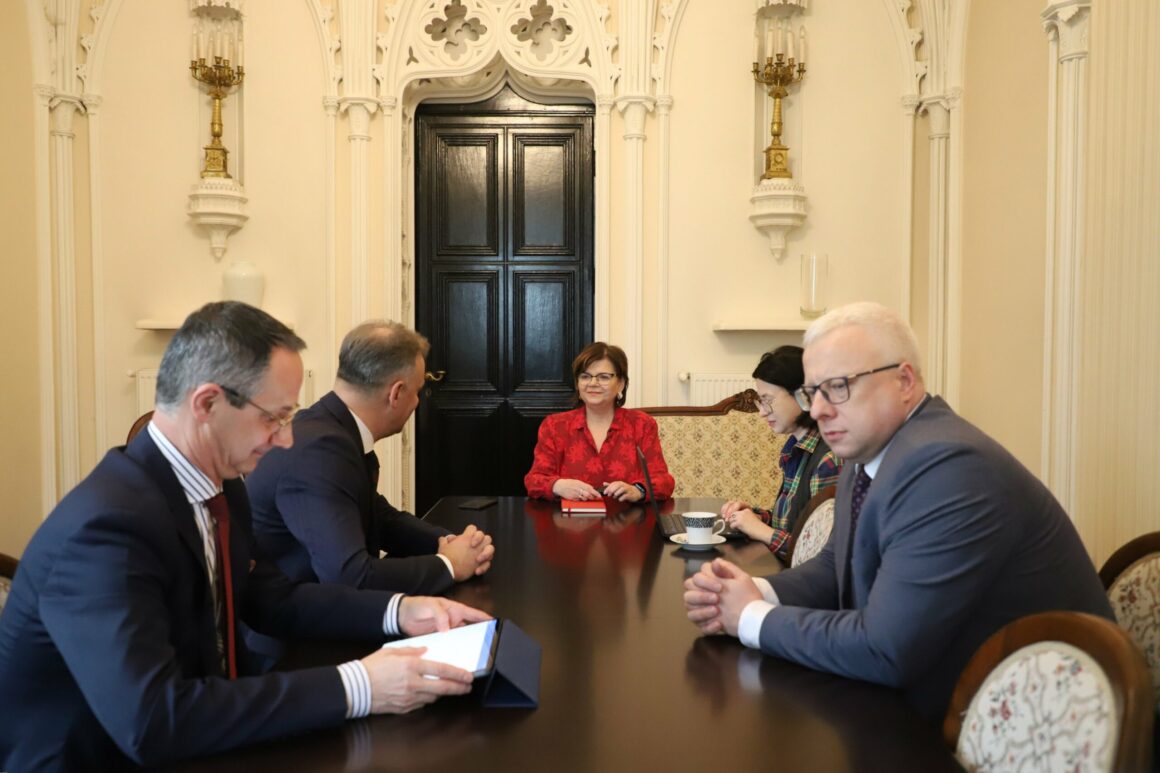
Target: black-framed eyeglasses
[835, 390]
[603, 379]
[765, 403]
[282, 421]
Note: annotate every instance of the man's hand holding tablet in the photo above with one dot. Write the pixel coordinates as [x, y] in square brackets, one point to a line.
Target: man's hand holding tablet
[401, 680]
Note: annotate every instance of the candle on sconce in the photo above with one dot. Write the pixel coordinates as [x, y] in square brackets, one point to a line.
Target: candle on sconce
[769, 40]
[239, 62]
[802, 42]
[789, 45]
[193, 47]
[779, 41]
[756, 45]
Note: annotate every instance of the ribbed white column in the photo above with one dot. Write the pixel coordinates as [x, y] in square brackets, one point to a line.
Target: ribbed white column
[359, 115]
[46, 327]
[398, 480]
[1118, 290]
[97, 260]
[634, 102]
[64, 238]
[937, 268]
[635, 110]
[664, 130]
[357, 26]
[602, 324]
[1067, 27]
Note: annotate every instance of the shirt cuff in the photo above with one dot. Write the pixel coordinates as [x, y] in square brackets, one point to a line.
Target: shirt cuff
[391, 616]
[356, 682]
[447, 561]
[749, 626]
[767, 591]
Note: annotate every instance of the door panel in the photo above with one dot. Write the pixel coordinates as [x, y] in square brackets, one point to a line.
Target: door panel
[504, 283]
[467, 193]
[466, 328]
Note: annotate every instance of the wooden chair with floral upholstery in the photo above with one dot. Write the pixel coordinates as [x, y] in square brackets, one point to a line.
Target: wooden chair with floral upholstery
[1132, 579]
[8, 566]
[1053, 691]
[813, 527]
[138, 425]
[721, 450]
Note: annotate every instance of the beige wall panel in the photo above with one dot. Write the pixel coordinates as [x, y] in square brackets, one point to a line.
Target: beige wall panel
[157, 264]
[1004, 223]
[847, 146]
[20, 407]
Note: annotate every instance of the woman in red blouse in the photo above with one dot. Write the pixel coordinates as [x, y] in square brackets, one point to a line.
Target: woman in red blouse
[591, 450]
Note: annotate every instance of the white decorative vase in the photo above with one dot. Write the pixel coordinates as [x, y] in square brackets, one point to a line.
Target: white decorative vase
[244, 282]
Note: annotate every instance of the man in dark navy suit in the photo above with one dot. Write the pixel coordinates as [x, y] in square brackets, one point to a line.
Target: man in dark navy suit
[120, 644]
[941, 537]
[317, 510]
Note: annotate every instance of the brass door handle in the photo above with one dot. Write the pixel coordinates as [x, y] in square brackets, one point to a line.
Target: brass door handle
[436, 376]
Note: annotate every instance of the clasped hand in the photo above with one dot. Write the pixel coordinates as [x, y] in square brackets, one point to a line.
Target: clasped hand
[470, 553]
[570, 488]
[716, 595]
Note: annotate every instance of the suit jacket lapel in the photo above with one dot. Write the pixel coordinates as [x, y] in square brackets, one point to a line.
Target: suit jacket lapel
[841, 535]
[145, 453]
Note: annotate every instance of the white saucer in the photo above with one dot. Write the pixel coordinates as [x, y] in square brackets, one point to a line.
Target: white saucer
[683, 541]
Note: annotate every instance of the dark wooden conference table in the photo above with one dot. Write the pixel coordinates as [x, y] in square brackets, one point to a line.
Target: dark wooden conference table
[627, 682]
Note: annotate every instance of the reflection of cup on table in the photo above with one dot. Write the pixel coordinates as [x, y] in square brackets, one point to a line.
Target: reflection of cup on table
[700, 528]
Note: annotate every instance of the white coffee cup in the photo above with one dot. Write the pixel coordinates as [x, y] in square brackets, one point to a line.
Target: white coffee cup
[702, 527]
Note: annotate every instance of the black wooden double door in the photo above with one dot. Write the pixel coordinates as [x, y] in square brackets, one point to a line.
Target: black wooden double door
[504, 284]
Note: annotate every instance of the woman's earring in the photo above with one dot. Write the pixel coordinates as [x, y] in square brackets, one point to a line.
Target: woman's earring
[620, 396]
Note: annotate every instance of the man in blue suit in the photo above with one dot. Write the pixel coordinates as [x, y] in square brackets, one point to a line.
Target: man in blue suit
[317, 510]
[119, 642]
[941, 537]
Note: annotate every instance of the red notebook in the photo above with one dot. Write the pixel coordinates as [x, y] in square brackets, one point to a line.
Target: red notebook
[590, 506]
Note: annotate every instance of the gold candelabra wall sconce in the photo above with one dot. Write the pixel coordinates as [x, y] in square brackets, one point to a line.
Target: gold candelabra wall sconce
[785, 65]
[216, 61]
[217, 202]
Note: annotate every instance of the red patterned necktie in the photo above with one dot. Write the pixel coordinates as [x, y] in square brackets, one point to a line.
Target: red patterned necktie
[219, 511]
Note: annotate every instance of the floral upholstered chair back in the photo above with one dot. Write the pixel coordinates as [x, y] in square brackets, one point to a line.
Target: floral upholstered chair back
[1132, 579]
[814, 533]
[1052, 692]
[723, 450]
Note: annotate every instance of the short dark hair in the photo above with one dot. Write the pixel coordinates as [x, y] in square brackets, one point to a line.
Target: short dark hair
[783, 367]
[594, 352]
[226, 343]
[378, 351]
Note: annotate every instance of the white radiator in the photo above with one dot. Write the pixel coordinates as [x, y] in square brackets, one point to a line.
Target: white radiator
[146, 381]
[712, 388]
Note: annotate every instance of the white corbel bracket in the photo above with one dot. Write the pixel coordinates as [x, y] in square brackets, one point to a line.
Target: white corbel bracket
[777, 206]
[218, 204]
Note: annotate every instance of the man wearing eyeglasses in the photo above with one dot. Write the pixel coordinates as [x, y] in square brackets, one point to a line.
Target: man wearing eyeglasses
[940, 538]
[317, 509]
[121, 641]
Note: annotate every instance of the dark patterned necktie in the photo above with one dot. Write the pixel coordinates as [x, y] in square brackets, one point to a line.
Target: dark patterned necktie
[861, 486]
[219, 511]
[857, 498]
[372, 462]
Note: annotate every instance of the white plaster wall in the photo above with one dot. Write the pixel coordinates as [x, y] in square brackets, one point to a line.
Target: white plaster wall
[156, 263]
[845, 129]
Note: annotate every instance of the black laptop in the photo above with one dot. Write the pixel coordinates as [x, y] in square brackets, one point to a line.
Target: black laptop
[670, 523]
